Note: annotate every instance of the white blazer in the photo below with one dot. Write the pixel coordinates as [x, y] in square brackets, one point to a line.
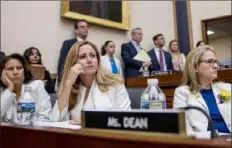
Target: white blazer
[195, 120]
[9, 102]
[116, 98]
[105, 63]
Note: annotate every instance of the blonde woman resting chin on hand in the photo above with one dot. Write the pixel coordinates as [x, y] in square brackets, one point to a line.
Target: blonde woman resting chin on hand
[85, 85]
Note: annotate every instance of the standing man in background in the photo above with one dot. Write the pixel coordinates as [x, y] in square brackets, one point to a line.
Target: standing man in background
[81, 31]
[129, 51]
[161, 59]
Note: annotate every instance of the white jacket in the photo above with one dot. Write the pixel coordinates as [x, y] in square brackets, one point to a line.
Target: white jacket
[195, 120]
[9, 102]
[116, 98]
[105, 63]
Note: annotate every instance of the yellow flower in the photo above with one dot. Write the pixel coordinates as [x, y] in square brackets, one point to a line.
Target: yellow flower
[225, 95]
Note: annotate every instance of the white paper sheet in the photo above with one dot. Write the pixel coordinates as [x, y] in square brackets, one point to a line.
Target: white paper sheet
[64, 124]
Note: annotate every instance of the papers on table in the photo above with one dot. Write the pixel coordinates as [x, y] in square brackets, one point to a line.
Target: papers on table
[64, 124]
[142, 56]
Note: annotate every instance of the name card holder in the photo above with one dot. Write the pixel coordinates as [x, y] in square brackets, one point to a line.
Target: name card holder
[161, 72]
[149, 121]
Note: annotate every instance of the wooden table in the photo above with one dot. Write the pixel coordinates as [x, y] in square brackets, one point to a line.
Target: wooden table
[168, 83]
[42, 137]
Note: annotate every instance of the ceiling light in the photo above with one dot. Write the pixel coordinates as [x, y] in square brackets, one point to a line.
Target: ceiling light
[210, 32]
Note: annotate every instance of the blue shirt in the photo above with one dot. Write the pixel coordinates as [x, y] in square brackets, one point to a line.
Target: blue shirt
[215, 114]
[113, 66]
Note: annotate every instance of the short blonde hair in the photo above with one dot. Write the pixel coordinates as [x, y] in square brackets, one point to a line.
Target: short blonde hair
[104, 79]
[190, 77]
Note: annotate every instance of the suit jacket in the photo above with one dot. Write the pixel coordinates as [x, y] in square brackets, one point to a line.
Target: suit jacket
[155, 63]
[128, 51]
[9, 102]
[105, 63]
[67, 44]
[115, 98]
[2, 56]
[196, 122]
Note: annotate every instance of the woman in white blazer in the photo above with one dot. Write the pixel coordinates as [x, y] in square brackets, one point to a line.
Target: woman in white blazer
[14, 77]
[85, 85]
[178, 59]
[199, 90]
[108, 60]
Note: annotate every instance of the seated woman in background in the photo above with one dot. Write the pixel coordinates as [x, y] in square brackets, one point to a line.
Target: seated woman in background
[14, 78]
[200, 43]
[108, 61]
[33, 56]
[85, 85]
[178, 59]
[199, 90]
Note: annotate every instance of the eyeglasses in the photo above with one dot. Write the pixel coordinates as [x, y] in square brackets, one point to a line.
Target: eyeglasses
[210, 62]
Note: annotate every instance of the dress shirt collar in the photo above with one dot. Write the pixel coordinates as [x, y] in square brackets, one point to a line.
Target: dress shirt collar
[79, 39]
[135, 43]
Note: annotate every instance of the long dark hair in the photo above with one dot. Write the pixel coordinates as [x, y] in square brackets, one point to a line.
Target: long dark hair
[103, 51]
[27, 53]
[21, 59]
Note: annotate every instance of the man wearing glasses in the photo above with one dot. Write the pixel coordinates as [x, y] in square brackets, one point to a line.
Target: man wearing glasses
[161, 59]
[81, 31]
[129, 51]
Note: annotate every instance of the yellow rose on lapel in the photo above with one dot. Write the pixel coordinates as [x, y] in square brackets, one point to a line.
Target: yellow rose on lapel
[224, 95]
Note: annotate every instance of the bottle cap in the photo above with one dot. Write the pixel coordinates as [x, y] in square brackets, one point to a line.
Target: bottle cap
[152, 82]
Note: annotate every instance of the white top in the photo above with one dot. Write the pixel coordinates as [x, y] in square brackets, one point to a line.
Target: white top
[157, 52]
[196, 122]
[9, 102]
[105, 63]
[116, 98]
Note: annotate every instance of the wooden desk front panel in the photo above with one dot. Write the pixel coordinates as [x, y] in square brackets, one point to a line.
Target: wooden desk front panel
[41, 137]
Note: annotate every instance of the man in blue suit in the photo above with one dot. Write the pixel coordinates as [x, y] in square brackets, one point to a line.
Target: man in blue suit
[81, 31]
[129, 51]
[161, 59]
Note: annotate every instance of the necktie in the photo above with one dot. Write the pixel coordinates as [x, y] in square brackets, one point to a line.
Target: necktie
[113, 66]
[161, 61]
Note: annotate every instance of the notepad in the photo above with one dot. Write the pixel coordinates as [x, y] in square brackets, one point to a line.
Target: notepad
[142, 56]
[64, 124]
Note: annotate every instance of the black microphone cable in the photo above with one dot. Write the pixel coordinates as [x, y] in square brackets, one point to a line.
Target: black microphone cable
[213, 131]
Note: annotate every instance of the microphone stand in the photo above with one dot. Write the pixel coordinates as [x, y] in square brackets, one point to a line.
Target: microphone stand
[213, 131]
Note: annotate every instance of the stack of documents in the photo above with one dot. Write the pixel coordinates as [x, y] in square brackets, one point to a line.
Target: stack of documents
[64, 124]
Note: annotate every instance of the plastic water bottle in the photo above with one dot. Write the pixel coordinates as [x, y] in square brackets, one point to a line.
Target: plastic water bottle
[145, 72]
[153, 97]
[26, 107]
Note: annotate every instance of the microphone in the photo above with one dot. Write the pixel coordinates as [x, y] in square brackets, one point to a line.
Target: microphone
[213, 131]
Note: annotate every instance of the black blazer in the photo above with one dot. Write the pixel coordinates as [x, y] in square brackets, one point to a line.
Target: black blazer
[2, 56]
[67, 44]
[128, 51]
[155, 63]
[49, 85]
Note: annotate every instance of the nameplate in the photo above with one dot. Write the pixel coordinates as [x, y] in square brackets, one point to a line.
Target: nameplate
[161, 121]
[153, 104]
[161, 72]
[228, 66]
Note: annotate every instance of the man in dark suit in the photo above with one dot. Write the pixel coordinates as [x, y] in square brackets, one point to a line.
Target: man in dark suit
[2, 56]
[161, 59]
[81, 31]
[129, 51]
